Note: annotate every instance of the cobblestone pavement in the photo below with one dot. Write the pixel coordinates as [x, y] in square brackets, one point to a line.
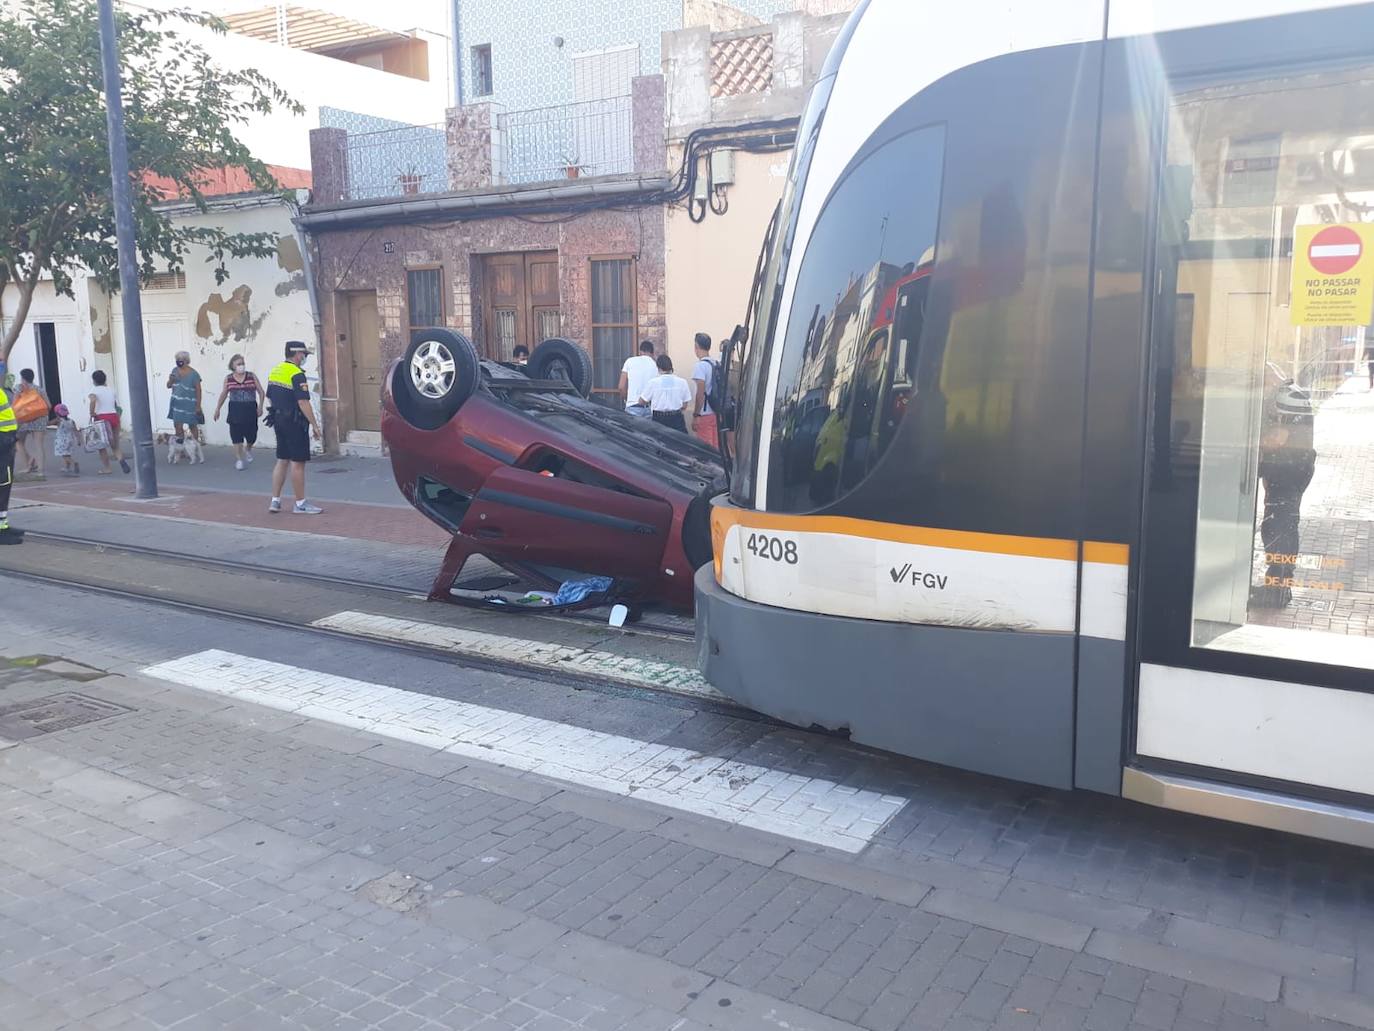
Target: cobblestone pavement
[197, 861]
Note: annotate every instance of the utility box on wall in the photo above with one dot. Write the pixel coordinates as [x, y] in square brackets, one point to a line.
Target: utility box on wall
[723, 167]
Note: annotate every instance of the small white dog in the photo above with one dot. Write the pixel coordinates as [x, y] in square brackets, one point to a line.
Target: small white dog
[179, 449]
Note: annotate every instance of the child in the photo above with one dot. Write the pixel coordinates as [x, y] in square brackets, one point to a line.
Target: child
[65, 442]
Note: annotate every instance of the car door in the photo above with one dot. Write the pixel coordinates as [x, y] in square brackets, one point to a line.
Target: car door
[532, 519]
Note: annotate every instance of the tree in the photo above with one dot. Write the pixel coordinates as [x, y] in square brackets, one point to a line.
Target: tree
[181, 113]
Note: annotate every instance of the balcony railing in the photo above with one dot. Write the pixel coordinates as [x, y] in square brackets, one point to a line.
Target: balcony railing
[567, 141]
[395, 162]
[593, 137]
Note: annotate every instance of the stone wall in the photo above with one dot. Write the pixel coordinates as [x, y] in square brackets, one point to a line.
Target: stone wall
[376, 259]
[474, 151]
[328, 165]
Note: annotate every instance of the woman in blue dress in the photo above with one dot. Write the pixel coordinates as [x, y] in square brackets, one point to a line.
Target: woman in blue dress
[185, 411]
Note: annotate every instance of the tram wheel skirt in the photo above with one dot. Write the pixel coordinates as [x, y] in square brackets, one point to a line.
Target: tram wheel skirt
[996, 702]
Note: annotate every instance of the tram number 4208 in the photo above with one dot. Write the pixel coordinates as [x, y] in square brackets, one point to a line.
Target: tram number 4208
[775, 549]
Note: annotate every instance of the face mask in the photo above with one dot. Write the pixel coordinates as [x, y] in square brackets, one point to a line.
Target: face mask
[181, 362]
[238, 368]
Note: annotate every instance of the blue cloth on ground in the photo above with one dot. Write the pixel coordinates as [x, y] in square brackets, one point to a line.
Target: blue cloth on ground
[580, 590]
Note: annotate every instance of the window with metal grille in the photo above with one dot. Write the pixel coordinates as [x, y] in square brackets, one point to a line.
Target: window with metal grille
[425, 297]
[505, 333]
[166, 281]
[547, 322]
[481, 70]
[614, 319]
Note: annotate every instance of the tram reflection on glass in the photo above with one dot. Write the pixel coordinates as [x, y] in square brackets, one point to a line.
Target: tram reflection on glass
[1055, 449]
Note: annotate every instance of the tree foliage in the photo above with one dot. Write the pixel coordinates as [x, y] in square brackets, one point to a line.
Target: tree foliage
[181, 114]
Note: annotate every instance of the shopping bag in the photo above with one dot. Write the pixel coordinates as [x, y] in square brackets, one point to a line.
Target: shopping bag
[95, 437]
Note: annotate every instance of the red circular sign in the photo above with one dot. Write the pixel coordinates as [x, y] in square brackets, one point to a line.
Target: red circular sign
[1335, 250]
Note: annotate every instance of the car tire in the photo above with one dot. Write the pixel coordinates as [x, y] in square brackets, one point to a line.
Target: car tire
[557, 358]
[438, 372]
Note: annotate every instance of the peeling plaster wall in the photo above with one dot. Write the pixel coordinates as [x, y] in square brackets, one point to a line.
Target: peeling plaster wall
[254, 312]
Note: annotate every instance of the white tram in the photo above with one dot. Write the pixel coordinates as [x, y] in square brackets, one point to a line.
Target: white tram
[1055, 452]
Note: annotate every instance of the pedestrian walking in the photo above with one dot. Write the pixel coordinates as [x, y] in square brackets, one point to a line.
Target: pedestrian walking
[64, 441]
[293, 420]
[104, 409]
[245, 396]
[667, 396]
[703, 379]
[31, 409]
[185, 410]
[9, 440]
[634, 377]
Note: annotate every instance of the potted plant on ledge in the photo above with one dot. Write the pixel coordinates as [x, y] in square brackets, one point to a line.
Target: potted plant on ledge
[573, 167]
[410, 180]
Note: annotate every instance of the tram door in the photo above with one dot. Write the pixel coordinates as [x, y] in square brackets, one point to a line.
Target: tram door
[1257, 597]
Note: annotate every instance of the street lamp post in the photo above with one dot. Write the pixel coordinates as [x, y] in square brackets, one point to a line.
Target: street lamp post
[135, 363]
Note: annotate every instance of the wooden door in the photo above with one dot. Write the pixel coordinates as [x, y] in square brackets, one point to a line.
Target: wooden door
[366, 356]
[520, 303]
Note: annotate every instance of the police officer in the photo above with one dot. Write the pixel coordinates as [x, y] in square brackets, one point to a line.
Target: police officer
[1287, 463]
[293, 419]
[9, 438]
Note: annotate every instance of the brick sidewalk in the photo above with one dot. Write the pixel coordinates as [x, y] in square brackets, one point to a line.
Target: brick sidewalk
[194, 861]
[385, 523]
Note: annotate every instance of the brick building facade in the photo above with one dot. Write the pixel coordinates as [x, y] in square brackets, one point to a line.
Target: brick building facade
[580, 257]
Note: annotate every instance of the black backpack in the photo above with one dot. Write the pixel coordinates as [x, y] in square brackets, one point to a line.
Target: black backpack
[718, 396]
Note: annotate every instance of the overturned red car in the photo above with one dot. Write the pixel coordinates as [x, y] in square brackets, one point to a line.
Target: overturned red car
[521, 467]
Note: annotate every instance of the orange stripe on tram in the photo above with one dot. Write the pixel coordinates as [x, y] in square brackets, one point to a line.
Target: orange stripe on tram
[723, 517]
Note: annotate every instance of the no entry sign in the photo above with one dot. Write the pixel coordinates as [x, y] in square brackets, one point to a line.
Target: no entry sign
[1335, 250]
[1333, 275]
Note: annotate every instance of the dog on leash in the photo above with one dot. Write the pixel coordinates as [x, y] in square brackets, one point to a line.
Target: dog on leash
[180, 448]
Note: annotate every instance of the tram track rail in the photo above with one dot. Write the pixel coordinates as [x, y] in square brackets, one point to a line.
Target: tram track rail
[464, 660]
[645, 626]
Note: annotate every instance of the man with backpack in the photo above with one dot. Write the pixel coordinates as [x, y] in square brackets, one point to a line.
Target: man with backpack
[703, 381]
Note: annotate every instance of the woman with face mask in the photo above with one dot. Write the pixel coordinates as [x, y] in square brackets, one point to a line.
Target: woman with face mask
[185, 411]
[245, 396]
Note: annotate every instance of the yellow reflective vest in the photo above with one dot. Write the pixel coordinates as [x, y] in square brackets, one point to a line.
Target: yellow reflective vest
[8, 423]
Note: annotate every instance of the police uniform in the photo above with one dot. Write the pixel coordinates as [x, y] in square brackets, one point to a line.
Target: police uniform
[9, 437]
[286, 387]
[1287, 463]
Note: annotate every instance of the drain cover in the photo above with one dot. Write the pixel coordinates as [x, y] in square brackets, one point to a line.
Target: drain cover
[55, 712]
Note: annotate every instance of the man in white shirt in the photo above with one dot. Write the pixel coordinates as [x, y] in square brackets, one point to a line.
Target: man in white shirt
[703, 378]
[667, 396]
[634, 377]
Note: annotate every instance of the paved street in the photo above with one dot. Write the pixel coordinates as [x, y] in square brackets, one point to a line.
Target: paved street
[251, 827]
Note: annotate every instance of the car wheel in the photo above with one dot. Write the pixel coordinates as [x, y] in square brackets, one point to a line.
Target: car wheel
[439, 371]
[557, 358]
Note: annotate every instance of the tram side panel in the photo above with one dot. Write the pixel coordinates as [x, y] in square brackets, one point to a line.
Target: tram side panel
[990, 447]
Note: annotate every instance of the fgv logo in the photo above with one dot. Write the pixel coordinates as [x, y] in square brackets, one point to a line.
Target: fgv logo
[930, 581]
